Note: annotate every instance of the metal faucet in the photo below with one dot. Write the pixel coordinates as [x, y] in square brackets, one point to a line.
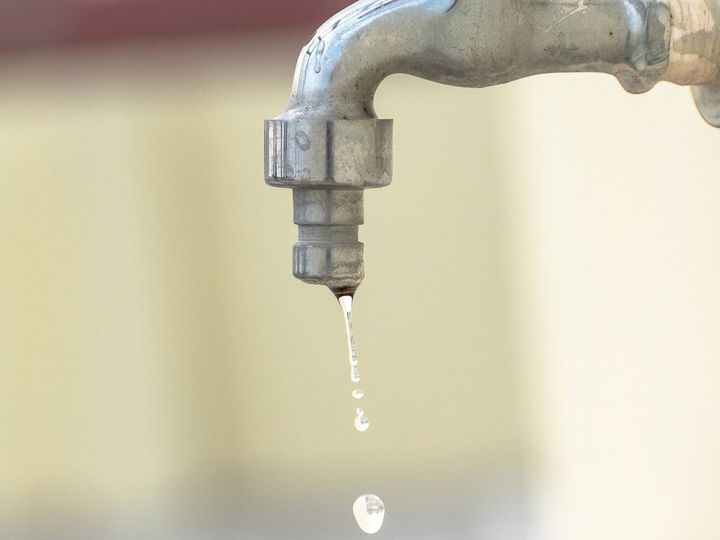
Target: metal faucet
[329, 146]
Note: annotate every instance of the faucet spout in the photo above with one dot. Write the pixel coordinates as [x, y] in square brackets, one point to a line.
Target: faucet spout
[474, 43]
[329, 145]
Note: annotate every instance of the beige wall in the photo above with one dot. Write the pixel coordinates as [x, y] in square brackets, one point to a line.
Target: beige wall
[541, 297]
[616, 268]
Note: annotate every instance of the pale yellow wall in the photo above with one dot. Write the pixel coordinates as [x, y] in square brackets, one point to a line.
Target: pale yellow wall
[153, 334]
[618, 259]
[541, 294]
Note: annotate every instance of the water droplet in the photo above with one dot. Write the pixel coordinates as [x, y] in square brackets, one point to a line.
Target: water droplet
[362, 422]
[369, 511]
[358, 394]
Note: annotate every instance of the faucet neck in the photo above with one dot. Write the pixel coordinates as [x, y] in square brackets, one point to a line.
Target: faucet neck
[475, 43]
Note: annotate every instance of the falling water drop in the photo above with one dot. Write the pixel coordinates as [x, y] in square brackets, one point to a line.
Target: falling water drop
[369, 512]
[362, 422]
[358, 394]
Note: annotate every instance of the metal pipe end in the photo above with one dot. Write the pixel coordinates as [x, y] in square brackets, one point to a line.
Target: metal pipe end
[337, 265]
[328, 251]
[328, 164]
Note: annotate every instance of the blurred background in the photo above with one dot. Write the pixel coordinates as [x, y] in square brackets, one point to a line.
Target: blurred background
[539, 329]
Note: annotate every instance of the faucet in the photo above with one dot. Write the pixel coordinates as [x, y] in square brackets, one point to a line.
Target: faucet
[329, 146]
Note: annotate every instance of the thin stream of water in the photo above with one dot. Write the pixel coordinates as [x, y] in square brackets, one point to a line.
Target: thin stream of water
[346, 305]
[361, 422]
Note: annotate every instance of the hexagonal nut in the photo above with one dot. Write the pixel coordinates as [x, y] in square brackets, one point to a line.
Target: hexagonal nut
[328, 153]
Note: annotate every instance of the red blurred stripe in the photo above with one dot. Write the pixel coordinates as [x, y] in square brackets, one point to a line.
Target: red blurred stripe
[29, 24]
